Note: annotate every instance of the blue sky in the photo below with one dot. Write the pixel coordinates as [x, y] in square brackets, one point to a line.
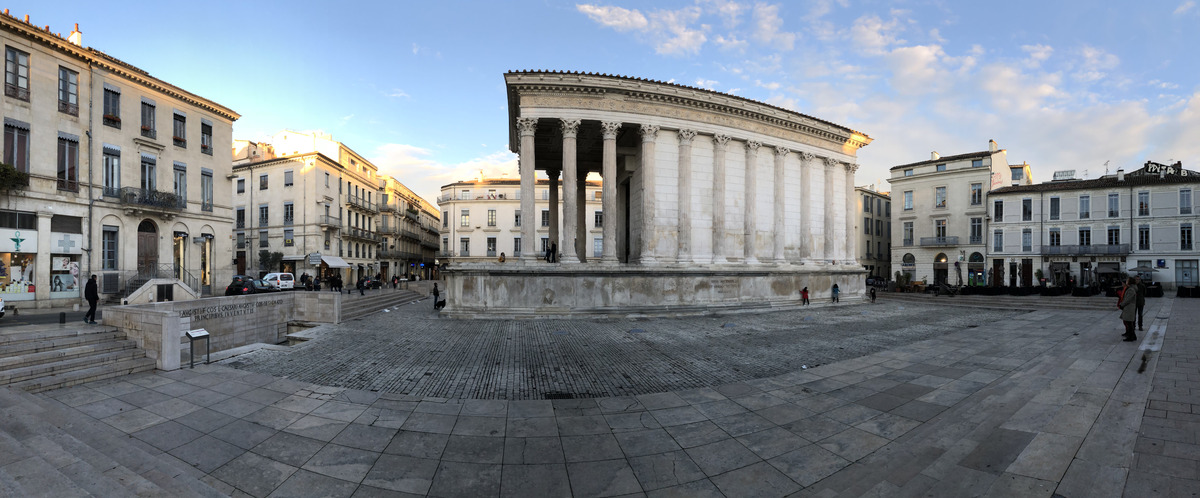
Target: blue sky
[418, 86]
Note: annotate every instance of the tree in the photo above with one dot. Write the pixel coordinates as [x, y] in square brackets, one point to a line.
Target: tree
[268, 260]
[11, 179]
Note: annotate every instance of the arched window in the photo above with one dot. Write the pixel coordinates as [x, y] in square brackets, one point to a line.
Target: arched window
[940, 258]
[976, 258]
[909, 259]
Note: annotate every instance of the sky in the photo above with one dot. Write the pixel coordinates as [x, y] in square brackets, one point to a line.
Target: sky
[418, 87]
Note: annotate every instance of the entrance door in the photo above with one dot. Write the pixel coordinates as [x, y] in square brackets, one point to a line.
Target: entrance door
[997, 272]
[1026, 272]
[147, 253]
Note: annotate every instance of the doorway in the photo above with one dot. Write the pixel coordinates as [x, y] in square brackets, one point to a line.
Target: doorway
[147, 251]
[1026, 273]
[997, 272]
[179, 253]
[941, 269]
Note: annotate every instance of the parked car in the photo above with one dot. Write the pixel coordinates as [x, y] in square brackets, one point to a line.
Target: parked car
[1, 307]
[373, 283]
[874, 281]
[281, 281]
[245, 284]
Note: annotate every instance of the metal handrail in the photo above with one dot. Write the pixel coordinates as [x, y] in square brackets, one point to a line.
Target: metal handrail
[1081, 250]
[151, 198]
[940, 241]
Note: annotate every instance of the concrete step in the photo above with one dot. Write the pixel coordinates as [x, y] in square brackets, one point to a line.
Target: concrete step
[354, 305]
[79, 376]
[59, 367]
[58, 354]
[1003, 302]
[30, 346]
[32, 333]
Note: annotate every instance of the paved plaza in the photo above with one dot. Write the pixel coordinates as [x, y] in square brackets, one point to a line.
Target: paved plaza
[970, 403]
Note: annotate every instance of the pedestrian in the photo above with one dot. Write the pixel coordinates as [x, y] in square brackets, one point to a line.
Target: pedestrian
[1128, 307]
[316, 283]
[1141, 300]
[361, 285]
[835, 292]
[872, 294]
[804, 296]
[93, 296]
[395, 281]
[436, 294]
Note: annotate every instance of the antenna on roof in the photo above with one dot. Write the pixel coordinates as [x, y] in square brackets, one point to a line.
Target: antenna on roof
[1105, 168]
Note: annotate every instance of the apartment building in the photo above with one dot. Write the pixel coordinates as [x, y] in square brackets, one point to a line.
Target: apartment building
[481, 220]
[1089, 231]
[409, 226]
[123, 181]
[875, 238]
[942, 215]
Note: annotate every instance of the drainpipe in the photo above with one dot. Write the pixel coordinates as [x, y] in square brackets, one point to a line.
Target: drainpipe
[91, 166]
[1042, 230]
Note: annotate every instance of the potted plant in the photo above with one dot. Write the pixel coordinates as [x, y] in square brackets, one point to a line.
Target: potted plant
[113, 117]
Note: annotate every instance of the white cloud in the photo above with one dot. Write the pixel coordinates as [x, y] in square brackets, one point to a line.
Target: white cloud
[398, 93]
[706, 84]
[729, 12]
[346, 119]
[730, 43]
[615, 17]
[873, 35]
[1184, 7]
[772, 85]
[1011, 90]
[768, 28]
[917, 69]
[670, 31]
[1037, 54]
[1095, 64]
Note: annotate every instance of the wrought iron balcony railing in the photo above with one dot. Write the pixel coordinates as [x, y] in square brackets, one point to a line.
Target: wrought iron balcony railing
[1088, 250]
[939, 241]
[151, 198]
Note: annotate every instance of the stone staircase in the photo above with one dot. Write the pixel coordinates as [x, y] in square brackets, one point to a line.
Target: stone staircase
[49, 449]
[36, 358]
[1004, 302]
[354, 305]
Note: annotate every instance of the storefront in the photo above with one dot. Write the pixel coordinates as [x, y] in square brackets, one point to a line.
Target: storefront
[18, 264]
[976, 273]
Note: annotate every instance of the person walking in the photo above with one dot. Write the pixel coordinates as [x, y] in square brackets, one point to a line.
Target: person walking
[1141, 300]
[436, 294]
[835, 292]
[872, 294]
[1128, 307]
[362, 286]
[90, 292]
[804, 296]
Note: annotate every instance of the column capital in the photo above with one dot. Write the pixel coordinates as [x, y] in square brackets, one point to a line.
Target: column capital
[610, 129]
[831, 162]
[851, 167]
[807, 157]
[686, 136]
[552, 173]
[753, 144]
[570, 127]
[720, 140]
[527, 126]
[782, 151]
[649, 132]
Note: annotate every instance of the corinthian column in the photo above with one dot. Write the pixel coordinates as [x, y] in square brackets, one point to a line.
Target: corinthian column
[849, 254]
[779, 237]
[684, 253]
[808, 231]
[649, 135]
[718, 202]
[570, 127]
[527, 127]
[554, 205]
[751, 218]
[609, 190]
[830, 211]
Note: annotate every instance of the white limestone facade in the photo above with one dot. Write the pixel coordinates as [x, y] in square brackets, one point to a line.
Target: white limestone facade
[703, 188]
[125, 181]
[874, 235]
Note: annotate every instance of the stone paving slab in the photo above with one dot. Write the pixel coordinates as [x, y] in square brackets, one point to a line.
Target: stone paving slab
[1033, 404]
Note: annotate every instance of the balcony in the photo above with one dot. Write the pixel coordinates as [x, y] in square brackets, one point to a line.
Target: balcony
[412, 214]
[430, 245]
[387, 208]
[939, 241]
[908, 242]
[112, 120]
[133, 196]
[1091, 250]
[16, 92]
[67, 184]
[149, 132]
[409, 234]
[976, 239]
[330, 221]
[362, 204]
[68, 108]
[359, 233]
[179, 141]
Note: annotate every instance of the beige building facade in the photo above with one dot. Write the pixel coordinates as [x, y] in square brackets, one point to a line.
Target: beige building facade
[124, 178]
[875, 233]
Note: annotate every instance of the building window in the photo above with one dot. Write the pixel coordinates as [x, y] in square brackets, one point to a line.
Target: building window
[976, 194]
[1114, 235]
[1085, 236]
[1144, 238]
[1026, 209]
[908, 172]
[108, 248]
[148, 129]
[1055, 237]
[1185, 237]
[941, 167]
[287, 178]
[878, 228]
[241, 240]
[939, 197]
[16, 146]
[149, 174]
[908, 233]
[491, 220]
[977, 163]
[241, 185]
[179, 130]
[998, 240]
[206, 191]
[112, 172]
[327, 236]
[866, 204]
[326, 179]
[1185, 201]
[288, 241]
[545, 217]
[1017, 174]
[464, 195]
[976, 230]
[464, 247]
[112, 107]
[445, 219]
[887, 207]
[516, 247]
[517, 218]
[1085, 207]
[598, 219]
[867, 225]
[1143, 203]
[16, 74]
[262, 239]
[1027, 240]
[262, 182]
[288, 213]
[998, 211]
[240, 218]
[939, 229]
[206, 145]
[908, 203]
[181, 183]
[446, 244]
[464, 218]
[1055, 208]
[491, 247]
[597, 247]
[1114, 205]
[68, 164]
[68, 91]
[263, 215]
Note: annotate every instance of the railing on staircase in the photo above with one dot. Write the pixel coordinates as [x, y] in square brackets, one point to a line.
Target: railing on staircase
[145, 273]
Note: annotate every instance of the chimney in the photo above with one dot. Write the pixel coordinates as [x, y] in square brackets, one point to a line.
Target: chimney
[992, 147]
[76, 36]
[1121, 175]
[933, 156]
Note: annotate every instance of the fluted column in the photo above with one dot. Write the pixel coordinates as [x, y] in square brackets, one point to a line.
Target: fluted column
[751, 216]
[526, 127]
[649, 135]
[570, 127]
[779, 238]
[808, 231]
[581, 238]
[609, 190]
[552, 191]
[720, 142]
[830, 210]
[684, 254]
[849, 255]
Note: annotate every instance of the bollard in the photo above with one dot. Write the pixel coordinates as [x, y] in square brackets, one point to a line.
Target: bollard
[62, 317]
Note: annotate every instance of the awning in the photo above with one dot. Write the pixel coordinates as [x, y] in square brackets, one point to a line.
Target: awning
[335, 262]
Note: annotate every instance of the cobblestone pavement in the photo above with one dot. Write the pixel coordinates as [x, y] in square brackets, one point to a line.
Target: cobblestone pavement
[409, 350]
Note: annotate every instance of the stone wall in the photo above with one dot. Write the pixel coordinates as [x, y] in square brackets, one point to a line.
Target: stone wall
[230, 321]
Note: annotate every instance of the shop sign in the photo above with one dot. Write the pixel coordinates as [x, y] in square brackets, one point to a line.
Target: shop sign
[18, 240]
[66, 243]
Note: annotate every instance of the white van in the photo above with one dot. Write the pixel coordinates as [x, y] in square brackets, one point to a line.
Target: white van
[280, 281]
